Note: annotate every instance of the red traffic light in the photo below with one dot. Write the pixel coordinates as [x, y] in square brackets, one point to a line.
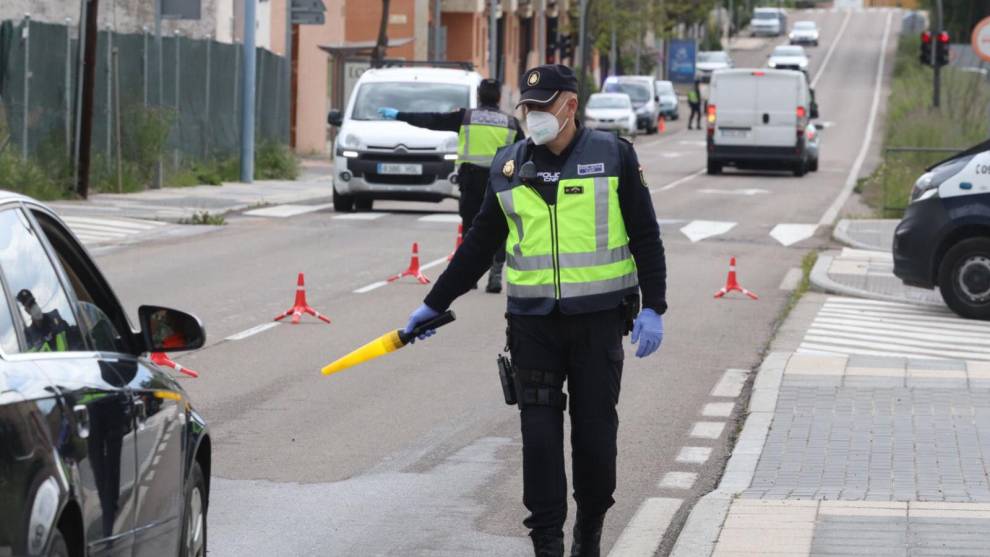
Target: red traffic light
[943, 37]
[926, 37]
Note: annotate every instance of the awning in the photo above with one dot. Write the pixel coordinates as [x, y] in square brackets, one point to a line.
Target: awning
[362, 48]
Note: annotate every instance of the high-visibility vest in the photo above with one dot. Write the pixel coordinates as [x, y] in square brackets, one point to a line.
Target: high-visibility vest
[573, 254]
[482, 133]
[692, 96]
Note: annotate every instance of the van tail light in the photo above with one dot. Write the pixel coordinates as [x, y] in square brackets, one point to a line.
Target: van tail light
[711, 114]
[800, 112]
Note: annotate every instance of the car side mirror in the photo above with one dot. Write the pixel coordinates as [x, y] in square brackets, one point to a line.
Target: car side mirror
[335, 118]
[813, 112]
[170, 330]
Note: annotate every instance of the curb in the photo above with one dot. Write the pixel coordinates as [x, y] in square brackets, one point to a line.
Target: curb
[841, 234]
[820, 280]
[704, 524]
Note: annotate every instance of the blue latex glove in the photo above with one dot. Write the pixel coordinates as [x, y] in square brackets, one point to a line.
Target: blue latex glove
[388, 113]
[422, 314]
[647, 327]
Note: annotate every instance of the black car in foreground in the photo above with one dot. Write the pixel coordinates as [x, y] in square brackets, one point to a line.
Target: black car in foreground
[101, 451]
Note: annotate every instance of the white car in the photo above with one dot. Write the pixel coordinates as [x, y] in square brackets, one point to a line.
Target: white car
[804, 32]
[610, 112]
[642, 91]
[375, 158]
[788, 57]
[767, 21]
[668, 100]
[711, 60]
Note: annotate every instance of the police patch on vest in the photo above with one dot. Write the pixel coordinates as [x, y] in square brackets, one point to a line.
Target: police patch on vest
[593, 168]
[509, 168]
[573, 190]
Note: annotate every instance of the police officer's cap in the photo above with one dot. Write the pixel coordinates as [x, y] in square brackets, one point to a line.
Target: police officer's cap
[25, 296]
[542, 84]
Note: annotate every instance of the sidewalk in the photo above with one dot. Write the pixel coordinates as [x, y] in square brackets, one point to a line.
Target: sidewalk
[172, 204]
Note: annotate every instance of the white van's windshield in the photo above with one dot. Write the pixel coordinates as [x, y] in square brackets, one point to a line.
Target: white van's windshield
[764, 15]
[408, 97]
[638, 92]
[608, 101]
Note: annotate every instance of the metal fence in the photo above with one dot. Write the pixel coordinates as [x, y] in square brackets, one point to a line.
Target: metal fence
[194, 84]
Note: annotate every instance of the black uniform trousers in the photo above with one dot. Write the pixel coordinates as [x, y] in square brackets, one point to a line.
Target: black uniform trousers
[586, 350]
[473, 182]
[695, 113]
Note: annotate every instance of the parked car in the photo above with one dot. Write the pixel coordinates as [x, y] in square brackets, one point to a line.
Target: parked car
[101, 451]
[944, 238]
[669, 103]
[768, 21]
[642, 91]
[758, 119]
[710, 61]
[788, 57]
[376, 158]
[804, 32]
[611, 112]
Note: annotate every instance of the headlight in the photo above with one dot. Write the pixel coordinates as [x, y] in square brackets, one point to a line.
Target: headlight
[449, 144]
[350, 140]
[925, 187]
[803, 65]
[772, 64]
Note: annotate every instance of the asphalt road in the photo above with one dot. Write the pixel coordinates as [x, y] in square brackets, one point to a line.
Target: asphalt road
[415, 453]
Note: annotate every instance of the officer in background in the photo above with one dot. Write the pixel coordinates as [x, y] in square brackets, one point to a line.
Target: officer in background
[571, 209]
[48, 332]
[480, 133]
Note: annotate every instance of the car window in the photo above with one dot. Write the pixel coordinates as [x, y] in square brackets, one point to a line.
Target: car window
[638, 92]
[8, 336]
[788, 51]
[407, 96]
[608, 101]
[805, 25]
[43, 305]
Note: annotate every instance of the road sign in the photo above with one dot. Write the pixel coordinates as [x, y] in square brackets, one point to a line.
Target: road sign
[680, 61]
[308, 6]
[180, 9]
[308, 18]
[981, 39]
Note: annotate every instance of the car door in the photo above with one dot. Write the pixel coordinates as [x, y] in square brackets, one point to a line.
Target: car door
[777, 102]
[734, 99]
[159, 407]
[52, 339]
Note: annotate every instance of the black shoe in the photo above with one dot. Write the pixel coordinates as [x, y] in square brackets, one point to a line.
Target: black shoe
[494, 283]
[548, 544]
[587, 536]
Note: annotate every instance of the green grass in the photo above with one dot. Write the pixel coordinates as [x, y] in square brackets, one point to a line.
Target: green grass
[206, 218]
[807, 264]
[960, 122]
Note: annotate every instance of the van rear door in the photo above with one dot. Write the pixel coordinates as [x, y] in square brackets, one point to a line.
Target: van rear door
[734, 96]
[778, 95]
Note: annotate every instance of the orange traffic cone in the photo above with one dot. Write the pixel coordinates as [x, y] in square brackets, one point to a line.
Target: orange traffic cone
[460, 240]
[161, 359]
[662, 124]
[299, 307]
[413, 270]
[732, 285]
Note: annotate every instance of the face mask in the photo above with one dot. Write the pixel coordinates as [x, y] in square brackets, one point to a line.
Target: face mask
[543, 127]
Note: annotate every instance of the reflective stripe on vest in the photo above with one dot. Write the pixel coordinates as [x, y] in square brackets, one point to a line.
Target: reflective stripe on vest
[481, 134]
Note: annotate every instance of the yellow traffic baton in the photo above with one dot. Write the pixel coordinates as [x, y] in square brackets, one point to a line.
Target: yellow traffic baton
[389, 342]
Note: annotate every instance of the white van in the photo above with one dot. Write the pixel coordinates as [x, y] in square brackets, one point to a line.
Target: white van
[768, 21]
[758, 118]
[643, 93]
[375, 158]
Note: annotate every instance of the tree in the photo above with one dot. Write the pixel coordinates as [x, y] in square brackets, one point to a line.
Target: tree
[378, 54]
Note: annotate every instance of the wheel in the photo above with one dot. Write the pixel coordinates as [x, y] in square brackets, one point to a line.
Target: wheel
[813, 165]
[194, 522]
[364, 203]
[58, 547]
[800, 169]
[342, 203]
[714, 168]
[964, 278]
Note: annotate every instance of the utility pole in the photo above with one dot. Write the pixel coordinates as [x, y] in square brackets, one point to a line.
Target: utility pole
[583, 50]
[156, 180]
[247, 94]
[86, 109]
[289, 81]
[437, 14]
[936, 36]
[613, 52]
[493, 40]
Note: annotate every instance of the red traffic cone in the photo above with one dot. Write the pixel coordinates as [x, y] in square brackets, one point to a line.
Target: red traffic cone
[460, 240]
[732, 285]
[413, 270]
[161, 359]
[299, 307]
[662, 124]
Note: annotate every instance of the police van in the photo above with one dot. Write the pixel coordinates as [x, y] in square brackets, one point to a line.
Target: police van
[376, 158]
[944, 238]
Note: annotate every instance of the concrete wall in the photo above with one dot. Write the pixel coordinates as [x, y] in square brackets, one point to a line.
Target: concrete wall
[125, 16]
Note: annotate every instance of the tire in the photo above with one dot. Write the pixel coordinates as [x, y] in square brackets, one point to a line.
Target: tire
[964, 278]
[364, 204]
[813, 166]
[58, 547]
[342, 203]
[193, 541]
[714, 168]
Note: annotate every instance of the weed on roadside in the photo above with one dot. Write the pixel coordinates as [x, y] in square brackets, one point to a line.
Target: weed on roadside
[204, 218]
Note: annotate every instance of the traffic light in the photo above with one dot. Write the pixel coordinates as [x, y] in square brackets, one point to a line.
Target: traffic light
[566, 47]
[942, 49]
[926, 48]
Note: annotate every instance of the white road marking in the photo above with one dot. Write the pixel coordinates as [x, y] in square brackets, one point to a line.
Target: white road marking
[644, 533]
[671, 154]
[381, 283]
[747, 192]
[678, 480]
[833, 211]
[792, 279]
[669, 222]
[707, 430]
[698, 230]
[286, 211]
[718, 409]
[359, 216]
[694, 455]
[678, 182]
[694, 142]
[731, 383]
[790, 234]
[831, 49]
[252, 331]
[94, 230]
[441, 217]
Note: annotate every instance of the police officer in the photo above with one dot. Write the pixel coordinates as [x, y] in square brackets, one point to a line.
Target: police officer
[480, 133]
[571, 209]
[48, 332]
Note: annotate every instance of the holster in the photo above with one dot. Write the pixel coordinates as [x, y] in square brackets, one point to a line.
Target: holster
[506, 376]
[536, 387]
[630, 310]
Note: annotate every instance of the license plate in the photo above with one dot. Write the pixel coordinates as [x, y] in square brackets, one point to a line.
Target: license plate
[398, 168]
[734, 133]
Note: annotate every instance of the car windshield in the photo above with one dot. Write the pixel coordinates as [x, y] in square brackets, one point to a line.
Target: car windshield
[788, 51]
[638, 92]
[608, 101]
[665, 88]
[805, 26]
[716, 56]
[764, 15]
[408, 97]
